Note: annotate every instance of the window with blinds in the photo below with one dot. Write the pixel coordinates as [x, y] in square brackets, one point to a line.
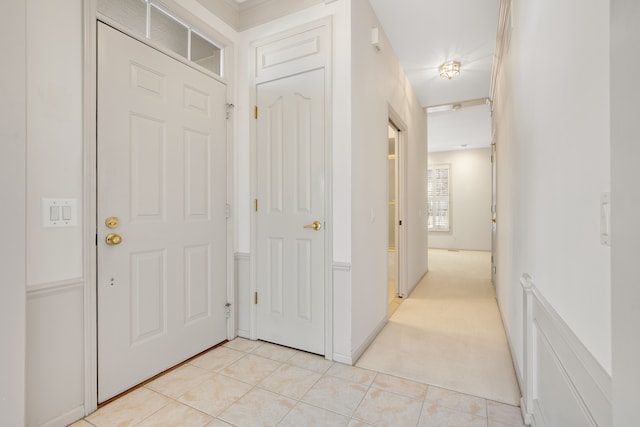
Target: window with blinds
[438, 197]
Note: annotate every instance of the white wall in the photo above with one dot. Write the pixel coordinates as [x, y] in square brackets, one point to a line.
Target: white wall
[12, 191]
[378, 86]
[55, 282]
[552, 135]
[625, 152]
[470, 200]
[54, 115]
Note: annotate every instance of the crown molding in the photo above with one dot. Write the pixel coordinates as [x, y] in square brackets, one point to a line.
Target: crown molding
[226, 10]
[456, 105]
[503, 39]
[251, 13]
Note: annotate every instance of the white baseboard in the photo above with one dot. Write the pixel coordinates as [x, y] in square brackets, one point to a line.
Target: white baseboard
[563, 384]
[351, 359]
[67, 418]
[343, 358]
[367, 342]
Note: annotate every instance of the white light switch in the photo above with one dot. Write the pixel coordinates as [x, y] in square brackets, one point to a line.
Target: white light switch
[59, 212]
[66, 213]
[54, 213]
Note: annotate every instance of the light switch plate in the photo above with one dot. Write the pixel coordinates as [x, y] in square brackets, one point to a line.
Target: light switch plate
[59, 212]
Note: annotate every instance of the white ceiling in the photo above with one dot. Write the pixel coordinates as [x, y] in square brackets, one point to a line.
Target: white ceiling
[466, 128]
[427, 33]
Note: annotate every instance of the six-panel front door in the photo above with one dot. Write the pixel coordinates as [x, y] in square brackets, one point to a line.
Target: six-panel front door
[162, 184]
[290, 211]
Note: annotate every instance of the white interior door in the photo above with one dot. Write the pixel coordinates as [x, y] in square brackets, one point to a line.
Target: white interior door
[290, 217]
[162, 174]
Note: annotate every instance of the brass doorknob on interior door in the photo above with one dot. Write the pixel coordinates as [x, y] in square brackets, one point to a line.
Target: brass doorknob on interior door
[113, 239]
[316, 225]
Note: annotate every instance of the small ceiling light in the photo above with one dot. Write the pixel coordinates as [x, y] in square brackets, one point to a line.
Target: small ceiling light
[450, 69]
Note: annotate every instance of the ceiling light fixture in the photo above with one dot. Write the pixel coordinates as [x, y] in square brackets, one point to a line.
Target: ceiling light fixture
[450, 69]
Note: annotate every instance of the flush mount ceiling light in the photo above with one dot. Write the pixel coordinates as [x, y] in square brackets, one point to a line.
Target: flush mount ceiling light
[450, 69]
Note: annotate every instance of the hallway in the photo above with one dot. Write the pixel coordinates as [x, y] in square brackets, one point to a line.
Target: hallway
[449, 332]
[250, 383]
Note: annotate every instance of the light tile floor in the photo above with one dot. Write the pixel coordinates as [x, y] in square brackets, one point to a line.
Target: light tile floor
[252, 383]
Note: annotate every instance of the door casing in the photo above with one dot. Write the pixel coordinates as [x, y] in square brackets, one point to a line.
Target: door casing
[401, 203]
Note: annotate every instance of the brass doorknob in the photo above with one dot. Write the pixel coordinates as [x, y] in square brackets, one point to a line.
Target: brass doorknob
[113, 239]
[316, 225]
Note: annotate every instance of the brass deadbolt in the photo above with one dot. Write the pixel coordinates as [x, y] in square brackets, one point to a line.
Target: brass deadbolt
[112, 222]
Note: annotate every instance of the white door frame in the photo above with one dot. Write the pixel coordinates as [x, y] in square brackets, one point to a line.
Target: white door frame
[90, 200]
[494, 209]
[401, 202]
[323, 61]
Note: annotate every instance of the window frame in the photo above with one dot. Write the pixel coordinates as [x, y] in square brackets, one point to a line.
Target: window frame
[190, 30]
[436, 219]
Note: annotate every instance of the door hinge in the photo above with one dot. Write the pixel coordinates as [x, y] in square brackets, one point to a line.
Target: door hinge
[255, 111]
[255, 298]
[256, 204]
[227, 211]
[400, 222]
[229, 108]
[96, 239]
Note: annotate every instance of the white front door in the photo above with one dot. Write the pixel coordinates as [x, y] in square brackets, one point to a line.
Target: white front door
[290, 211]
[162, 179]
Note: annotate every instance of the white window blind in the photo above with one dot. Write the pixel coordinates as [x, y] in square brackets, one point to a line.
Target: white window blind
[438, 197]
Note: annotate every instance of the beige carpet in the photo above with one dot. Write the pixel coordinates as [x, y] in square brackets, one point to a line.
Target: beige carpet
[449, 333]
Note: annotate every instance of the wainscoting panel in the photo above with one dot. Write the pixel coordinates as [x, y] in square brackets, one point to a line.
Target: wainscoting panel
[342, 313]
[55, 353]
[563, 384]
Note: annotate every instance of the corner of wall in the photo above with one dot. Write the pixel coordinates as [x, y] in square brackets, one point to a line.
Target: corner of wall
[12, 247]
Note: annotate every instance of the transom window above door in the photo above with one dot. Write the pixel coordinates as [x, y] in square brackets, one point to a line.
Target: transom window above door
[146, 18]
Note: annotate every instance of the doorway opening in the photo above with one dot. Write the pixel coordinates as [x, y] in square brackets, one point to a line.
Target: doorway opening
[395, 222]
